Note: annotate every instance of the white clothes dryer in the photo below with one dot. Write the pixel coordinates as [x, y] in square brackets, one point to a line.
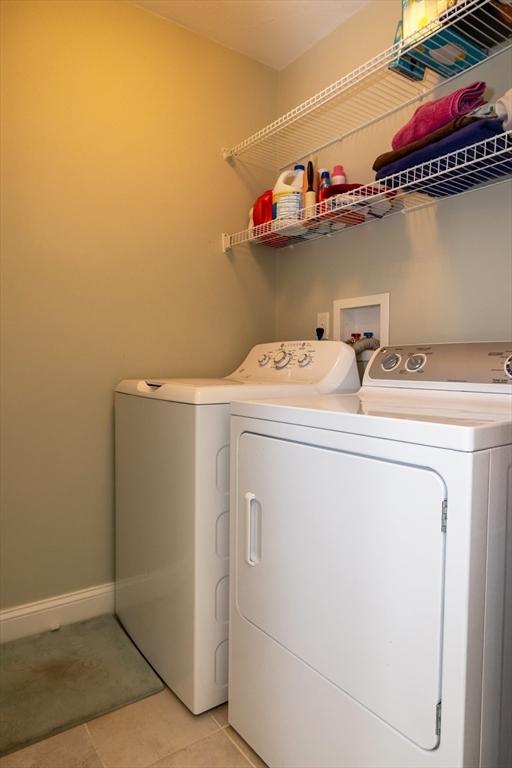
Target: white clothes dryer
[172, 501]
[371, 567]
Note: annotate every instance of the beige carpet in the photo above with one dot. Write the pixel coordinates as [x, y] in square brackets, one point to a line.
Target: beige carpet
[52, 681]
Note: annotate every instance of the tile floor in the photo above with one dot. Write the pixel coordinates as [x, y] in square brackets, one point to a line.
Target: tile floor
[157, 732]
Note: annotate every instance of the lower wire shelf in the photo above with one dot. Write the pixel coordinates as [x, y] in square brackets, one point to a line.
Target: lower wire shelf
[481, 164]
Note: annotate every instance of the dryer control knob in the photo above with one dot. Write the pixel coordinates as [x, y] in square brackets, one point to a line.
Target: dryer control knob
[508, 366]
[282, 359]
[391, 361]
[263, 360]
[415, 363]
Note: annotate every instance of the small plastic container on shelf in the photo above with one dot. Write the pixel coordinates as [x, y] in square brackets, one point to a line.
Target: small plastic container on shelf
[338, 175]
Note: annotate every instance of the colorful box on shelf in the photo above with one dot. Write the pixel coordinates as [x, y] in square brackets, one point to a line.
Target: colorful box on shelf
[445, 51]
[448, 53]
[406, 64]
[418, 14]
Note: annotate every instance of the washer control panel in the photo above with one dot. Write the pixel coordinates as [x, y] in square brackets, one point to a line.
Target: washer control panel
[300, 361]
[488, 363]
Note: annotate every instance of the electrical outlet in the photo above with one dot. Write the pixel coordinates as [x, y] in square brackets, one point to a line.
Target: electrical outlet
[322, 321]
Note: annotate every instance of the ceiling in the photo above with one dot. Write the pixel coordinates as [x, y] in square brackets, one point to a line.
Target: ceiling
[274, 32]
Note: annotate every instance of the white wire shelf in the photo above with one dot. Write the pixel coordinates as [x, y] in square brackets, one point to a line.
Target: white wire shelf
[372, 91]
[481, 164]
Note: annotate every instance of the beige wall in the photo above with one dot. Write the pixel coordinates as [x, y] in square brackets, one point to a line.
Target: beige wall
[114, 198]
[448, 268]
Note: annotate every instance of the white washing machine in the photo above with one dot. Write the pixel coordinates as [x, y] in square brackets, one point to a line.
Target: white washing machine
[172, 500]
[371, 551]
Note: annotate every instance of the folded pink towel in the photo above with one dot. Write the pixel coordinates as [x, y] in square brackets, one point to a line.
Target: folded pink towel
[433, 115]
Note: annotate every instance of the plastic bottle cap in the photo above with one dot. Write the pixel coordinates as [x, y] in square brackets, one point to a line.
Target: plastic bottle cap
[325, 175]
[338, 170]
[356, 336]
[298, 167]
[368, 334]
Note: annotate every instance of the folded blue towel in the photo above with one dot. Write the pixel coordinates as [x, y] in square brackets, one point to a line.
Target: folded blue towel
[451, 182]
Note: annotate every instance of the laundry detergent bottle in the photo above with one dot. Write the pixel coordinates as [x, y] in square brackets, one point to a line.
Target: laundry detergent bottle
[287, 195]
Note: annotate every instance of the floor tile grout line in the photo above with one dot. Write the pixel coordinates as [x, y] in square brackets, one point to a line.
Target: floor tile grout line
[91, 739]
[219, 726]
[239, 749]
[225, 725]
[186, 746]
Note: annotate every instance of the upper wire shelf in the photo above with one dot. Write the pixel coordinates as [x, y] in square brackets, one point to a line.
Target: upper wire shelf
[483, 163]
[372, 91]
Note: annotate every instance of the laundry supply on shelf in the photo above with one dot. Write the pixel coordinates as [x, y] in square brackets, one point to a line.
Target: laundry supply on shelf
[503, 109]
[325, 184]
[434, 114]
[260, 216]
[262, 208]
[347, 207]
[287, 201]
[380, 208]
[405, 64]
[310, 194]
[417, 14]
[457, 181]
[392, 156]
[325, 179]
[441, 45]
[343, 209]
[487, 111]
[338, 175]
[301, 172]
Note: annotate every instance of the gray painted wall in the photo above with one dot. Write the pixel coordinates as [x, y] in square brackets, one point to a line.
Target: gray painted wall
[448, 268]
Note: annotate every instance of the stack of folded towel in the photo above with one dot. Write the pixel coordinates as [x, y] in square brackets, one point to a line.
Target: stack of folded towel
[445, 125]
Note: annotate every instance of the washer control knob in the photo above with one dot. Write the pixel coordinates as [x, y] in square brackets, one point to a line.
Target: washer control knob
[304, 360]
[263, 360]
[391, 361]
[415, 363]
[282, 359]
[508, 366]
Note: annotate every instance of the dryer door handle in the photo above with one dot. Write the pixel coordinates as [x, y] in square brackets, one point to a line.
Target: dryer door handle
[252, 529]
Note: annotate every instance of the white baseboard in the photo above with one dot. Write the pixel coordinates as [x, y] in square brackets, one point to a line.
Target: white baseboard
[28, 619]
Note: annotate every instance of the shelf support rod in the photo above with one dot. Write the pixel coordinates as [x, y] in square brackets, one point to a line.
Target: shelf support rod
[226, 242]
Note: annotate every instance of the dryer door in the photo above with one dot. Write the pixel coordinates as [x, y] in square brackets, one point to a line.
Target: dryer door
[340, 559]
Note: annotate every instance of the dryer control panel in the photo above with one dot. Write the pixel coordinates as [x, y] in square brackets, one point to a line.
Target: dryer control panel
[467, 366]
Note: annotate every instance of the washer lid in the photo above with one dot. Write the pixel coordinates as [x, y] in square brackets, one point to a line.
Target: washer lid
[462, 422]
[275, 369]
[211, 391]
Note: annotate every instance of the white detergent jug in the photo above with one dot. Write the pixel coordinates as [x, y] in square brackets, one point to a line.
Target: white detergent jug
[287, 199]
